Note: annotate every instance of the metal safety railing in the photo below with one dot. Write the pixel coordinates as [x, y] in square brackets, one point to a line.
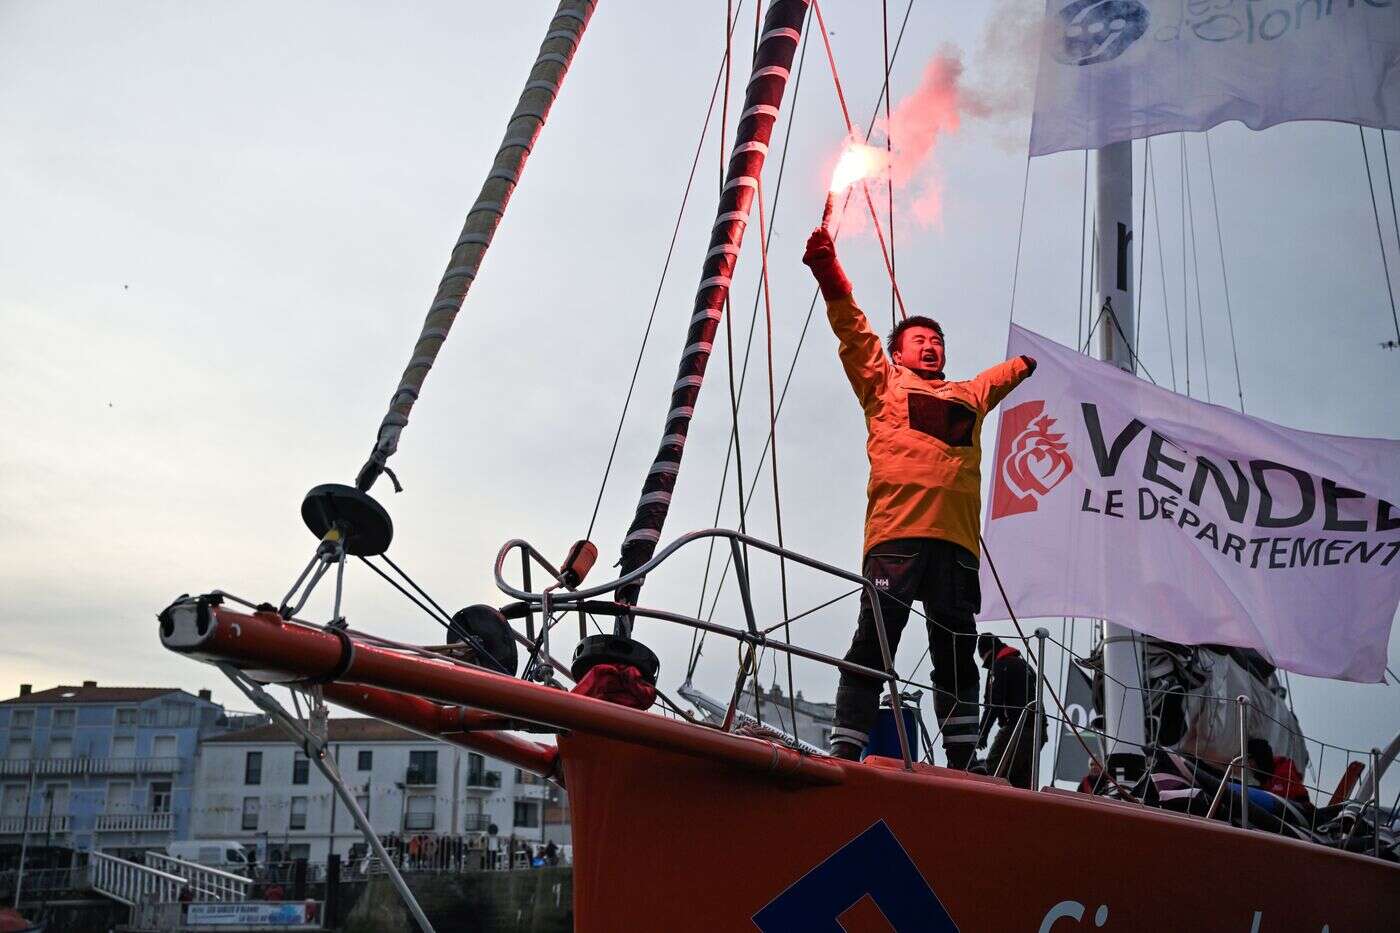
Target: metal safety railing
[553, 603]
[1208, 776]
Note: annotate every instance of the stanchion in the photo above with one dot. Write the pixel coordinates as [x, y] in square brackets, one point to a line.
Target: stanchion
[1243, 702]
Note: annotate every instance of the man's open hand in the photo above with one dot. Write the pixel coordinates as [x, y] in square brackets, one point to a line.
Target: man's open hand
[820, 257]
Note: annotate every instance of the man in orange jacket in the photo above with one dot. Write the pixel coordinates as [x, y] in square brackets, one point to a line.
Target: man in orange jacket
[923, 505]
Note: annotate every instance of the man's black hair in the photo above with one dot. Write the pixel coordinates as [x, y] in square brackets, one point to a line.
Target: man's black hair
[1261, 755]
[988, 644]
[917, 320]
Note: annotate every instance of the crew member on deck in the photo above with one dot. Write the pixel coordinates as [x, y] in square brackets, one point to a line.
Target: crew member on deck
[923, 508]
[1010, 705]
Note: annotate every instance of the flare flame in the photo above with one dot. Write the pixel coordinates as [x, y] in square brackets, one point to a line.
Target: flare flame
[857, 161]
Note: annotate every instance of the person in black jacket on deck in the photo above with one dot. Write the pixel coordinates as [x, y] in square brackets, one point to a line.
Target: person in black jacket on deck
[1010, 693]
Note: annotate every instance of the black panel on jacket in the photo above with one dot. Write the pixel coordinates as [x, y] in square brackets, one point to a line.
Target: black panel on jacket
[949, 421]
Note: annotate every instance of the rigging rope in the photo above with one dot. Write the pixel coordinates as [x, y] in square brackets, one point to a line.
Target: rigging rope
[1195, 263]
[1020, 231]
[1185, 301]
[763, 95]
[889, 143]
[1162, 267]
[1385, 265]
[656, 299]
[522, 130]
[731, 19]
[851, 133]
[697, 638]
[1083, 227]
[697, 647]
[1390, 186]
[1224, 275]
[1141, 233]
[773, 419]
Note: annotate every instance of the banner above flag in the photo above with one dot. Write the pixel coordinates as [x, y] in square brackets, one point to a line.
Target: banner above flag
[1115, 499]
[1113, 70]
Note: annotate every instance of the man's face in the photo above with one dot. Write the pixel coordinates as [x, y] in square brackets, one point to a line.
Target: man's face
[920, 348]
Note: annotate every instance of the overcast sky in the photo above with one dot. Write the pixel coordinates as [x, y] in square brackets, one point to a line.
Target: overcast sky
[223, 222]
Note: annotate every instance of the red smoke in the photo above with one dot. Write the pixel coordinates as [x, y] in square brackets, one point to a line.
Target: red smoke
[915, 125]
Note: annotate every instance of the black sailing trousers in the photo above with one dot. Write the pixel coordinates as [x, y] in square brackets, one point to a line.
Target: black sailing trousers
[943, 576]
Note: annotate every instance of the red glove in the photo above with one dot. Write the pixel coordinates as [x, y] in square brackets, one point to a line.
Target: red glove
[820, 257]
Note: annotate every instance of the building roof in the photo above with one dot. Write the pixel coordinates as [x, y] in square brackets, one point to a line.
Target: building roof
[89, 694]
[348, 729]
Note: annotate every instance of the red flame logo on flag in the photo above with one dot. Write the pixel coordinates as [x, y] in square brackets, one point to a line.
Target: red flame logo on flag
[1032, 459]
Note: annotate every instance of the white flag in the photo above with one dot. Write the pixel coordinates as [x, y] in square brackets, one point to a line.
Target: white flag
[1112, 70]
[1115, 499]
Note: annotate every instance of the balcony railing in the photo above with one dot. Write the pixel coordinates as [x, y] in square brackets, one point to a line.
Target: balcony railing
[476, 822]
[135, 823]
[17, 766]
[531, 791]
[483, 780]
[14, 825]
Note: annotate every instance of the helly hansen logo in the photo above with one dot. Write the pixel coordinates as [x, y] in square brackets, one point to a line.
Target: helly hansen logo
[1032, 459]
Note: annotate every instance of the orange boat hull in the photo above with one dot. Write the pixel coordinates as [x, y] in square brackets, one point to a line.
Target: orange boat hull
[679, 827]
[665, 841]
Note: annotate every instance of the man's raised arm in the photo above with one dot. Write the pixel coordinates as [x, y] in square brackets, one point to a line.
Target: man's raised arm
[861, 354]
[994, 384]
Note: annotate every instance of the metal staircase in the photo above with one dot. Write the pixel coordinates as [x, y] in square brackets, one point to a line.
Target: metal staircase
[162, 879]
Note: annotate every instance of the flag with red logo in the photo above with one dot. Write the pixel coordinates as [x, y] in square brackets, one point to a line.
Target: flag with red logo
[1114, 499]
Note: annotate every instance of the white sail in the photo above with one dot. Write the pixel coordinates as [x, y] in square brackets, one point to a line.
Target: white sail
[1114, 70]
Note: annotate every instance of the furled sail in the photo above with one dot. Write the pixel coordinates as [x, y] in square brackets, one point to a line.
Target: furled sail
[782, 28]
[541, 89]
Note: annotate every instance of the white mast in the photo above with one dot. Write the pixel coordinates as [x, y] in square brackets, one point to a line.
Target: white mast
[1113, 317]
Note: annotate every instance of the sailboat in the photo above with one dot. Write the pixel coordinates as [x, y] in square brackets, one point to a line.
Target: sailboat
[900, 843]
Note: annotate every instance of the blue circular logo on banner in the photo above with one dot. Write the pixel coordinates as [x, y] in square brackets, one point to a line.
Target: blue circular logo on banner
[1093, 31]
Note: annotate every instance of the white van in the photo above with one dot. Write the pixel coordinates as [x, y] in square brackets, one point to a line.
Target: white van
[224, 854]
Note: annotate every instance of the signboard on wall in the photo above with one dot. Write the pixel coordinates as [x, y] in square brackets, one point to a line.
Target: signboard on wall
[252, 914]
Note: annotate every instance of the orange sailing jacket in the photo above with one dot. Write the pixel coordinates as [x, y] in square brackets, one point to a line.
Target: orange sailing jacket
[924, 441]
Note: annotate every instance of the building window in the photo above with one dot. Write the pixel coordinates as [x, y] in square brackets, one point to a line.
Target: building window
[165, 746]
[420, 812]
[22, 719]
[160, 796]
[250, 812]
[422, 767]
[364, 760]
[526, 815]
[13, 800]
[362, 801]
[297, 818]
[299, 852]
[252, 768]
[119, 797]
[126, 716]
[63, 718]
[301, 769]
[20, 750]
[60, 747]
[56, 799]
